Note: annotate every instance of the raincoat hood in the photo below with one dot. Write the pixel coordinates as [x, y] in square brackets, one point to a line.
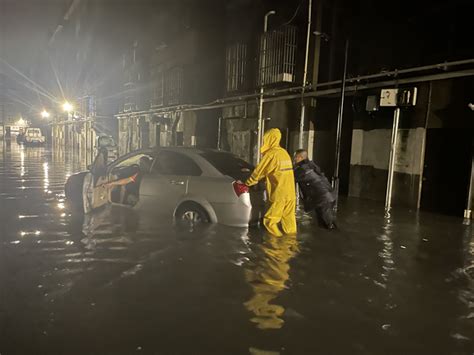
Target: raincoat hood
[271, 139]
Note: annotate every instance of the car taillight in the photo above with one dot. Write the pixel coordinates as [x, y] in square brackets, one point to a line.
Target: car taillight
[240, 188]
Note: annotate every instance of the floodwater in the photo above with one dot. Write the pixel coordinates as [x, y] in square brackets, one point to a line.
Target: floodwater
[112, 284]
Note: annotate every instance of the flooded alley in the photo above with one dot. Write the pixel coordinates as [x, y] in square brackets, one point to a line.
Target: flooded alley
[113, 283]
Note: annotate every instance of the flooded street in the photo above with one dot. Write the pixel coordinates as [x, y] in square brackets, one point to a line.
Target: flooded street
[115, 283]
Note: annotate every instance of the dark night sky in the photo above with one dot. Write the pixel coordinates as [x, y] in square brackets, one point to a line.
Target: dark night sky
[26, 27]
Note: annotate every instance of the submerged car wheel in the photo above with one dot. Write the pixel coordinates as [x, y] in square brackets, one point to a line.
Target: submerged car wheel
[191, 215]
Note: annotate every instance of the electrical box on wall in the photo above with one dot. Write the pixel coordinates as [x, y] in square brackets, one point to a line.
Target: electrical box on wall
[372, 104]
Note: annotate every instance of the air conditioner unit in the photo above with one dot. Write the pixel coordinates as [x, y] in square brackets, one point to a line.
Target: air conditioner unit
[284, 78]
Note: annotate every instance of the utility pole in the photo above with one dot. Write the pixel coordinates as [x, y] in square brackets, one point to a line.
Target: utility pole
[335, 181]
[262, 83]
[305, 76]
[317, 54]
[391, 164]
[3, 125]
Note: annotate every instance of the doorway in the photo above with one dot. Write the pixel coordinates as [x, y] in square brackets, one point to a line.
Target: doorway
[447, 170]
[157, 135]
[144, 133]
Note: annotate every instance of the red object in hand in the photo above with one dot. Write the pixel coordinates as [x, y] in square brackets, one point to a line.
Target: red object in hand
[240, 188]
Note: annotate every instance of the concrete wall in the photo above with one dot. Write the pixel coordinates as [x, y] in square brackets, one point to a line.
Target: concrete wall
[78, 140]
[240, 124]
[370, 150]
[369, 164]
[432, 149]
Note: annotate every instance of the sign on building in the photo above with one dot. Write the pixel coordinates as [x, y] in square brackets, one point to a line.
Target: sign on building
[388, 97]
[398, 97]
[407, 97]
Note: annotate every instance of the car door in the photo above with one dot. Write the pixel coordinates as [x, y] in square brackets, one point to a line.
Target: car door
[97, 190]
[167, 184]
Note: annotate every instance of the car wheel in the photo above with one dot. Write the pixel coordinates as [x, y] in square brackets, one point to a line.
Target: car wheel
[192, 215]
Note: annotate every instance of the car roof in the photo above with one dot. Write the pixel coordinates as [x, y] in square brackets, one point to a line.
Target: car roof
[192, 152]
[185, 150]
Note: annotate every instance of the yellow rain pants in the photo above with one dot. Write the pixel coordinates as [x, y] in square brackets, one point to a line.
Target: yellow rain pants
[277, 169]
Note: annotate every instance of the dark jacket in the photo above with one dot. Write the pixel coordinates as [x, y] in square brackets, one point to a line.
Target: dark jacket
[315, 189]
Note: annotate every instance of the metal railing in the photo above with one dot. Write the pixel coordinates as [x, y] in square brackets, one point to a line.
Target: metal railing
[277, 59]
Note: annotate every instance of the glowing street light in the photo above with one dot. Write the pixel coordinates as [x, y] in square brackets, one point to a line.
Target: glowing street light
[45, 114]
[67, 107]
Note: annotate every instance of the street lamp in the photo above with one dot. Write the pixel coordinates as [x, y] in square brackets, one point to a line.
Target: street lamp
[260, 126]
[45, 114]
[67, 107]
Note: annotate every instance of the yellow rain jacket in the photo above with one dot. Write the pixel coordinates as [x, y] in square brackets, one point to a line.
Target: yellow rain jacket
[277, 168]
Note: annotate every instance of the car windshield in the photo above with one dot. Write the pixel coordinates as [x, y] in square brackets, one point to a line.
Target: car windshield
[229, 164]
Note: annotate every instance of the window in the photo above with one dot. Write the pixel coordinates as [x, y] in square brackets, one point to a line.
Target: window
[235, 67]
[133, 160]
[158, 89]
[173, 86]
[171, 163]
[277, 58]
[229, 164]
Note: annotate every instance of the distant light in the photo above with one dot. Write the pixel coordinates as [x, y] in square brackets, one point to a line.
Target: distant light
[21, 122]
[45, 114]
[67, 107]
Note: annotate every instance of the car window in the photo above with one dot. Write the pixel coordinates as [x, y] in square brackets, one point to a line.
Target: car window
[135, 159]
[228, 164]
[33, 132]
[172, 163]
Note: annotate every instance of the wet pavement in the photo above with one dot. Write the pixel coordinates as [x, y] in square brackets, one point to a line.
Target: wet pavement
[113, 283]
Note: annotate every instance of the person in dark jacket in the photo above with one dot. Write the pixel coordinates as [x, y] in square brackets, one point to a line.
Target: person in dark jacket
[316, 192]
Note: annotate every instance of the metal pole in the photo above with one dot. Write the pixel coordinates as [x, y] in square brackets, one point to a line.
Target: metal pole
[391, 165]
[219, 129]
[262, 75]
[468, 211]
[423, 145]
[305, 75]
[4, 136]
[335, 180]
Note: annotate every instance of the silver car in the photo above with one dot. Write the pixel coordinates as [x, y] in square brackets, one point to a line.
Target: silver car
[188, 184]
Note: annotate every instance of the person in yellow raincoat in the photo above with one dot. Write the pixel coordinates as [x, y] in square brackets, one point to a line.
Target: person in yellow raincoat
[276, 167]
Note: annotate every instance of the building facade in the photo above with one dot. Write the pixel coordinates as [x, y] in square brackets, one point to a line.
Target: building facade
[202, 87]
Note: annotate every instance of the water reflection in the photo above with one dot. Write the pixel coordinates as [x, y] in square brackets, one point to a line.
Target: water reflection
[116, 272]
[466, 293]
[386, 254]
[267, 277]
